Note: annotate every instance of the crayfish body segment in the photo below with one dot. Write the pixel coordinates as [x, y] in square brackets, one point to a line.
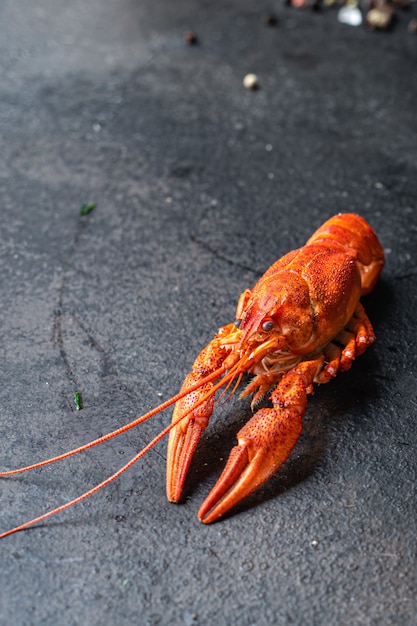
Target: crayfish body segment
[300, 324]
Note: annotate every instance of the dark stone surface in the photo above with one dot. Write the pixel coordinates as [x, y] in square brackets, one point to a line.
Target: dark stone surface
[200, 185]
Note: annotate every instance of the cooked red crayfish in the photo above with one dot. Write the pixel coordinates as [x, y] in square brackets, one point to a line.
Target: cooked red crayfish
[300, 324]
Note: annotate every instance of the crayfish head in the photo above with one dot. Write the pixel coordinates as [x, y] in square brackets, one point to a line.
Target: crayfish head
[253, 347]
[278, 317]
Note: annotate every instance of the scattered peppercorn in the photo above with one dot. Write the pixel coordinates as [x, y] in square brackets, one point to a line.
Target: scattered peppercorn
[271, 19]
[191, 38]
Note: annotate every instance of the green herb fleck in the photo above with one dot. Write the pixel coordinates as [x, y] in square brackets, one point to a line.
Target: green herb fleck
[85, 208]
[78, 401]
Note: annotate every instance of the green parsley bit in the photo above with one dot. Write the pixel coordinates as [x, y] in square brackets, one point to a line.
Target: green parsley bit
[85, 208]
[78, 401]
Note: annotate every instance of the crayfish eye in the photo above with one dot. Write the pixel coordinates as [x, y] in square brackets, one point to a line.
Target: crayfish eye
[268, 325]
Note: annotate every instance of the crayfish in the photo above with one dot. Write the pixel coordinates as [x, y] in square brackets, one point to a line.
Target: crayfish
[301, 324]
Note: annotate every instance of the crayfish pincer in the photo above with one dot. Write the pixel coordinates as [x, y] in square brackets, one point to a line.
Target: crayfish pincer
[300, 324]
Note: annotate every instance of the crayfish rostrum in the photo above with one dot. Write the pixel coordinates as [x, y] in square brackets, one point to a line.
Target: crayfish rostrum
[301, 324]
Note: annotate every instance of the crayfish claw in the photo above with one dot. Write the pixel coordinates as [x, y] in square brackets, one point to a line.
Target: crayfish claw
[191, 415]
[223, 495]
[182, 446]
[197, 407]
[264, 444]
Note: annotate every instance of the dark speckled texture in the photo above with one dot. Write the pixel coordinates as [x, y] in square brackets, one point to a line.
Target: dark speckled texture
[200, 185]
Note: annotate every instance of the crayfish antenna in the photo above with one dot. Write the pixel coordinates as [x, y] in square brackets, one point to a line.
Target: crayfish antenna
[90, 492]
[115, 433]
[91, 444]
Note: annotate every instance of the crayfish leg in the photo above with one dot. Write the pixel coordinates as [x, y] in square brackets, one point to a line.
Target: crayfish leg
[347, 345]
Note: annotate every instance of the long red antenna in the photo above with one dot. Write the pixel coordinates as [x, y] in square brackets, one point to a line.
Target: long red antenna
[97, 487]
[122, 429]
[115, 433]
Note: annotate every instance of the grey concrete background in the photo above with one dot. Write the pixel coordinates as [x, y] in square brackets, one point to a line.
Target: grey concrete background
[200, 185]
